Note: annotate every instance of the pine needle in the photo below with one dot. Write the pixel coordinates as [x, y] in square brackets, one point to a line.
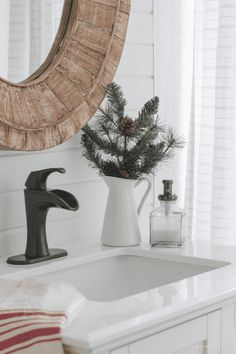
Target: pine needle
[116, 99]
[120, 146]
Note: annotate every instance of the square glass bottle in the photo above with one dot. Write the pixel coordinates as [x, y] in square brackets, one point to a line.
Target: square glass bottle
[167, 223]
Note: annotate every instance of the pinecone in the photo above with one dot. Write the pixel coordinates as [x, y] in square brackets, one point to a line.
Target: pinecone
[127, 126]
[124, 173]
[128, 170]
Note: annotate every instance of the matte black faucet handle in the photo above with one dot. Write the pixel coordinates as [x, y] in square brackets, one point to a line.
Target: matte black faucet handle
[37, 180]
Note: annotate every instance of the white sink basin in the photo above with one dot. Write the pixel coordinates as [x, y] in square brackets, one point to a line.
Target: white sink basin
[126, 273]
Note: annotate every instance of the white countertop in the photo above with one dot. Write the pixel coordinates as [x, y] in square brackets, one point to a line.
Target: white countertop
[100, 323]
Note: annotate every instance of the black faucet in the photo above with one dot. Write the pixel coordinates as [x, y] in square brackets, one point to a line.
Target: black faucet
[38, 200]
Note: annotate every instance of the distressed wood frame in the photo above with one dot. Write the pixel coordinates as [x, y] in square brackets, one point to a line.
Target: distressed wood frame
[64, 93]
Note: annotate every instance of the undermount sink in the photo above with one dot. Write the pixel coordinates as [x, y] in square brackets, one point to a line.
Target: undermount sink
[130, 272]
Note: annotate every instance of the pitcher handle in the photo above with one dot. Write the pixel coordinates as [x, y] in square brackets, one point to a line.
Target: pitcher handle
[149, 186]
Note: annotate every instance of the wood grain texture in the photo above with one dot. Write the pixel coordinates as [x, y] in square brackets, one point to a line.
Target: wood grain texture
[63, 94]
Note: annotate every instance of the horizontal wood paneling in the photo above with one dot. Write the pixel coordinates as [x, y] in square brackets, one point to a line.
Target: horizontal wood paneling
[135, 74]
[91, 197]
[76, 168]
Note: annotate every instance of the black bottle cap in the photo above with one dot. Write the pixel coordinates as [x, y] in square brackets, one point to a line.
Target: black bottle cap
[167, 191]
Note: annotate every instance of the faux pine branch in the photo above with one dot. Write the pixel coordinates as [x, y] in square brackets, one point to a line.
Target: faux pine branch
[120, 146]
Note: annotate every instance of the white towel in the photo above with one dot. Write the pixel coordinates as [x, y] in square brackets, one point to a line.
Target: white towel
[33, 314]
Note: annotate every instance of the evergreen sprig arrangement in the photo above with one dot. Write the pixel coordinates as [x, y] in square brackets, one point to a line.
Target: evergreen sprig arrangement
[120, 146]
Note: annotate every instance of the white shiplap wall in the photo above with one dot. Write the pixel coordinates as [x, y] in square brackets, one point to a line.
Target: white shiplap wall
[136, 75]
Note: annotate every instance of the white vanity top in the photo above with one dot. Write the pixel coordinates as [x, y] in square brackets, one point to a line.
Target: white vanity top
[100, 323]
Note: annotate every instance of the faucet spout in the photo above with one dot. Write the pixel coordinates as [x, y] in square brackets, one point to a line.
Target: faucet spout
[38, 201]
[63, 199]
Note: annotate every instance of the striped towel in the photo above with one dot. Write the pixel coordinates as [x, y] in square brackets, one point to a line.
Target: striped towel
[33, 314]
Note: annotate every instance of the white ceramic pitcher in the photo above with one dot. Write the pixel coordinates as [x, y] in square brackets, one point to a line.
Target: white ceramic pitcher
[120, 226]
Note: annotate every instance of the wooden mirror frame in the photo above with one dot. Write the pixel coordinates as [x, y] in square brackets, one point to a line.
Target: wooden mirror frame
[64, 93]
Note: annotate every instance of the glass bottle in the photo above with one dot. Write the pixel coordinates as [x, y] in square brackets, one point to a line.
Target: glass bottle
[167, 223]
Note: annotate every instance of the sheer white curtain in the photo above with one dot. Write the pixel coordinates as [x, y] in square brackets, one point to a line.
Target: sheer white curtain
[174, 66]
[211, 171]
[32, 28]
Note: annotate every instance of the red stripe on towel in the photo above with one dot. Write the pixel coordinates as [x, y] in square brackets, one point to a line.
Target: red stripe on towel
[25, 320]
[27, 325]
[5, 316]
[23, 337]
[37, 342]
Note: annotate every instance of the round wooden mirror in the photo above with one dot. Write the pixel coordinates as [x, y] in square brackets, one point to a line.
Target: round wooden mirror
[64, 93]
